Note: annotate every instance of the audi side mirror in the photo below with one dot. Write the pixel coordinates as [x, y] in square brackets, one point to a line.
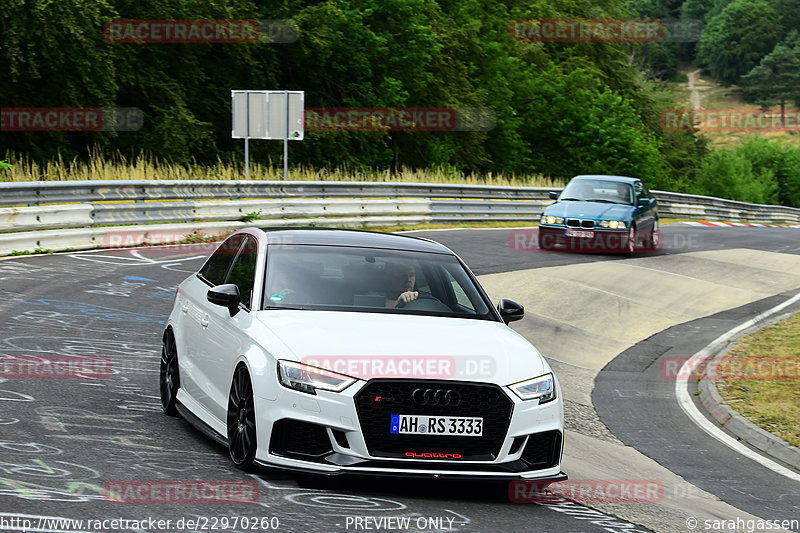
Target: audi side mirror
[225, 296]
[510, 311]
[553, 195]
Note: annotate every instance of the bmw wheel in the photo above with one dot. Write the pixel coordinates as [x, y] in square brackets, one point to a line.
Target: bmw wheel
[242, 420]
[545, 241]
[630, 242]
[653, 240]
[169, 376]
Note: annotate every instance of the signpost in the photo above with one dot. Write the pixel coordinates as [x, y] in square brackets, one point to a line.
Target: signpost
[271, 115]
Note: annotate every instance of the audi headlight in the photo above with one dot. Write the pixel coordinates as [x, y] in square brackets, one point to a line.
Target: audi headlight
[542, 388]
[308, 379]
[613, 224]
[549, 219]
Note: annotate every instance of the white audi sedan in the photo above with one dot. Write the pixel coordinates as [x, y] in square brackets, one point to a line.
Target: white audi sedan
[335, 351]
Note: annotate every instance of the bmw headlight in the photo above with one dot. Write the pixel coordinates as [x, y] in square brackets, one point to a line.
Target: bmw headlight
[542, 388]
[308, 379]
[612, 224]
[550, 219]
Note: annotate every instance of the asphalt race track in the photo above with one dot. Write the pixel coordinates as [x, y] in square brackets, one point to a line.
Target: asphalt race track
[64, 442]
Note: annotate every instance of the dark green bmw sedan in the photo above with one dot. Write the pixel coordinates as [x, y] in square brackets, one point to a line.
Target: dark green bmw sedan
[601, 214]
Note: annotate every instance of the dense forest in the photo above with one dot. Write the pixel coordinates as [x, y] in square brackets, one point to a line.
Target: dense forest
[559, 108]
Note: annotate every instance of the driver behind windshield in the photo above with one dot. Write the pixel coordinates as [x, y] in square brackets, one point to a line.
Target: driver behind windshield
[624, 192]
[586, 191]
[399, 284]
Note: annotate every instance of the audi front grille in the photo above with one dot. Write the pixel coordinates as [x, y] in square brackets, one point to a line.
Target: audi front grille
[382, 398]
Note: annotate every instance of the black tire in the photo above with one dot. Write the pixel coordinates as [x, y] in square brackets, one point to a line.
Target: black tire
[653, 240]
[544, 242]
[169, 375]
[242, 420]
[629, 244]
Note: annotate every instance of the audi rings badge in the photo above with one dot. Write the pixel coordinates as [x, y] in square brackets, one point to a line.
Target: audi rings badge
[440, 397]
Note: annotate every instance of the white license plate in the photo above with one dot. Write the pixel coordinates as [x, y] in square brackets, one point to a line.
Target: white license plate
[436, 425]
[579, 233]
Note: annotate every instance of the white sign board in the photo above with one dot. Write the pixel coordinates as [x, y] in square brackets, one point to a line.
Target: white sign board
[274, 115]
[266, 115]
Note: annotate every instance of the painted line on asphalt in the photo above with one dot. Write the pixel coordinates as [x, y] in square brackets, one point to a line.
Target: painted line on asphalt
[691, 410]
[712, 224]
[465, 229]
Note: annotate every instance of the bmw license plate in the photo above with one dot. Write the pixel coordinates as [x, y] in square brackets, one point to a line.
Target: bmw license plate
[436, 425]
[579, 233]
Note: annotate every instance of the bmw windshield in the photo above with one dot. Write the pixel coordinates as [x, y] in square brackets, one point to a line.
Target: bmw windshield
[371, 280]
[613, 192]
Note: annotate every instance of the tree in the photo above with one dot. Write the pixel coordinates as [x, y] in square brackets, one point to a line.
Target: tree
[776, 79]
[578, 126]
[737, 38]
[696, 9]
[659, 57]
[352, 53]
[788, 12]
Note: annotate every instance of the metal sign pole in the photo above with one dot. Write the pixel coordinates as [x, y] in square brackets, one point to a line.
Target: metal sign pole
[247, 137]
[286, 141]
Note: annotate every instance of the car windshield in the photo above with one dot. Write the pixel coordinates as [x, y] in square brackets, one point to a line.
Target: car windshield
[606, 191]
[370, 280]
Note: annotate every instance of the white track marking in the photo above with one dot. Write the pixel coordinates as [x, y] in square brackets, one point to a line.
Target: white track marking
[688, 406]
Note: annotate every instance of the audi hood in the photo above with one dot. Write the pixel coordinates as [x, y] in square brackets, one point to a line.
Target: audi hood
[390, 345]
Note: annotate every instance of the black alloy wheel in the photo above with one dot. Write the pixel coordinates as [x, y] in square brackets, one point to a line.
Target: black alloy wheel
[242, 420]
[169, 375]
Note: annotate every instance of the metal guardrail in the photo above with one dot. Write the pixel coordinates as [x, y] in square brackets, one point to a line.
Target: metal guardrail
[82, 214]
[708, 207]
[48, 192]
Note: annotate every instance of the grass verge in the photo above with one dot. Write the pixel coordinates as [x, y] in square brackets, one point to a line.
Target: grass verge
[767, 389]
[118, 167]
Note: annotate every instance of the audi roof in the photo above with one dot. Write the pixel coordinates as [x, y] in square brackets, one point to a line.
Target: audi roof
[356, 238]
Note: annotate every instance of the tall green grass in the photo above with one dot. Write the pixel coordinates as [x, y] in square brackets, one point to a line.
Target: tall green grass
[118, 167]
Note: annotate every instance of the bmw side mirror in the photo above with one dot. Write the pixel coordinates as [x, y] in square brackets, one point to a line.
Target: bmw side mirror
[225, 296]
[643, 201]
[510, 310]
[553, 195]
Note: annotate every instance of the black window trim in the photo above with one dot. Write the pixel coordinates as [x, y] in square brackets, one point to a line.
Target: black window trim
[255, 274]
[227, 272]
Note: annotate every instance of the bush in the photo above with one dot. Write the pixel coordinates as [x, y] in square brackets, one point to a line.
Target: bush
[725, 174]
[757, 171]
